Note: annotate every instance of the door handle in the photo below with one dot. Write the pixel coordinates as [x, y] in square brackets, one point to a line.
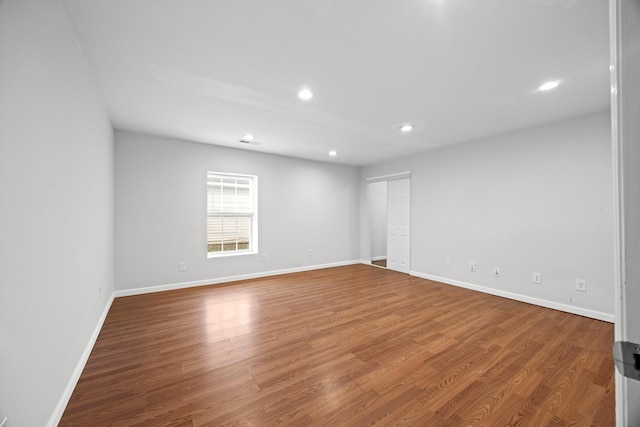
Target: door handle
[626, 356]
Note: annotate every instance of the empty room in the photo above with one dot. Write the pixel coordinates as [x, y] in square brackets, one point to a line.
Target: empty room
[319, 213]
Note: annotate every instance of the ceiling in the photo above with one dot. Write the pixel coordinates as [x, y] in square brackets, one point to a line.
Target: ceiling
[458, 70]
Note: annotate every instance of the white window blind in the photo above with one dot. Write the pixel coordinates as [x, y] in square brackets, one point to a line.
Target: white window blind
[231, 214]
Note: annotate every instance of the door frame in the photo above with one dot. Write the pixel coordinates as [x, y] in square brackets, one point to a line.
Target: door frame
[387, 178]
[625, 132]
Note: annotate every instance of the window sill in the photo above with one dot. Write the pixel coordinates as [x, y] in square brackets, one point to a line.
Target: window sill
[229, 254]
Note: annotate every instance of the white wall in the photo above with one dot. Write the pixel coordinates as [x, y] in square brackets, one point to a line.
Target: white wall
[538, 200]
[56, 214]
[377, 210]
[160, 211]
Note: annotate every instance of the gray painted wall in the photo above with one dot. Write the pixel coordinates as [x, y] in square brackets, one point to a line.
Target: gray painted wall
[538, 200]
[56, 215]
[160, 211]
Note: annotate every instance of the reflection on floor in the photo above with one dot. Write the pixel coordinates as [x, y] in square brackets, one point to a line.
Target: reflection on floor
[380, 263]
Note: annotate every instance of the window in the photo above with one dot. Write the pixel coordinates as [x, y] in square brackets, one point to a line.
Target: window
[232, 217]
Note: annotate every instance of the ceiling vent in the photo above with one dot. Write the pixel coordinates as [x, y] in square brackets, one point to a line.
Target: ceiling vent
[254, 142]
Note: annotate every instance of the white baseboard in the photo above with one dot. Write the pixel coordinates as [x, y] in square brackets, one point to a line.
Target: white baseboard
[71, 385]
[218, 280]
[607, 317]
[378, 258]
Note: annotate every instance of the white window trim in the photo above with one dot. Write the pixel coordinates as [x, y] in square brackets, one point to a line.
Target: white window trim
[254, 217]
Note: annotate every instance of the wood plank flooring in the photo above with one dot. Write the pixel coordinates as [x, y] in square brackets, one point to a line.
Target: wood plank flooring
[347, 346]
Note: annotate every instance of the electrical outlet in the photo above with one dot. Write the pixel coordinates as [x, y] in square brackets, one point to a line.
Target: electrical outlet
[472, 266]
[310, 253]
[447, 262]
[496, 272]
[536, 278]
[581, 285]
[264, 257]
[182, 266]
[99, 293]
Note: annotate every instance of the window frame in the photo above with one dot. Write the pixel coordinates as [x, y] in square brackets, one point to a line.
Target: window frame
[252, 214]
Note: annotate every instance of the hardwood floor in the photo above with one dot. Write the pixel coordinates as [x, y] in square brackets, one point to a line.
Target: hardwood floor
[347, 346]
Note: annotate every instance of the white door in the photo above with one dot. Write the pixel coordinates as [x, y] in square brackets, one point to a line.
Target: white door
[625, 56]
[398, 220]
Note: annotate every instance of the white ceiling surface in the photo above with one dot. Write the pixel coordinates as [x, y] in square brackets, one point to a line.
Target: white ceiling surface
[459, 70]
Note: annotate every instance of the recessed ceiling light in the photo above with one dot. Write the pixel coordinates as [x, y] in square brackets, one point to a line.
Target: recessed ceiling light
[248, 138]
[549, 85]
[406, 128]
[333, 153]
[305, 93]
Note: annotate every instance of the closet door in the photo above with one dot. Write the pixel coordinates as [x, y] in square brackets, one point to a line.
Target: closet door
[398, 220]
